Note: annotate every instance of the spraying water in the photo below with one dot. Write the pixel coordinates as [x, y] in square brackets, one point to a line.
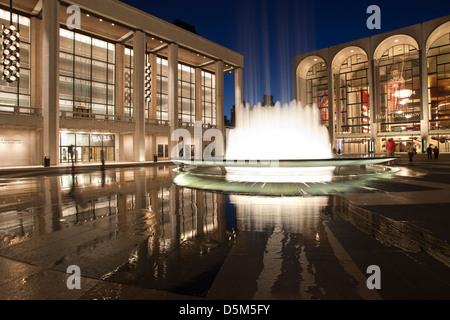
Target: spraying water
[288, 132]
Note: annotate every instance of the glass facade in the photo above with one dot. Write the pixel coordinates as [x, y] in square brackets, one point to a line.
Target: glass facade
[317, 89]
[438, 83]
[208, 98]
[186, 94]
[354, 95]
[87, 76]
[86, 147]
[399, 99]
[15, 96]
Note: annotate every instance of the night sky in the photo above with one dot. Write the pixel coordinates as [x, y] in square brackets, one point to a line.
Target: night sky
[271, 32]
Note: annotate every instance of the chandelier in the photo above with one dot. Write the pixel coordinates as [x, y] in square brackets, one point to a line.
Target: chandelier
[10, 51]
[148, 85]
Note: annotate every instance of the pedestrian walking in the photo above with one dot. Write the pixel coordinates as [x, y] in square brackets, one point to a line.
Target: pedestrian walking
[411, 151]
[436, 152]
[430, 151]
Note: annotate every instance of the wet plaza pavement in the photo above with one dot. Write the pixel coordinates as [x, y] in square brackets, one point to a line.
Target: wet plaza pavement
[136, 236]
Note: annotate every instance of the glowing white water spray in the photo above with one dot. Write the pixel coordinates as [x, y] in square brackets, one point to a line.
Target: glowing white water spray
[288, 132]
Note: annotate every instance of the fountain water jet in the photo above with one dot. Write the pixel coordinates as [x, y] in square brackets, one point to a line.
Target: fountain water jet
[289, 132]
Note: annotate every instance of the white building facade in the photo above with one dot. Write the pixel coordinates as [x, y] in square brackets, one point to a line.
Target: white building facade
[122, 81]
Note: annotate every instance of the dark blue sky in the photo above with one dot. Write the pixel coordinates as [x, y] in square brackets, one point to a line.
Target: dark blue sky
[271, 32]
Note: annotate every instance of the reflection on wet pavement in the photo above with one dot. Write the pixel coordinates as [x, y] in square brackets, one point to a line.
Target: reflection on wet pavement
[131, 229]
[283, 252]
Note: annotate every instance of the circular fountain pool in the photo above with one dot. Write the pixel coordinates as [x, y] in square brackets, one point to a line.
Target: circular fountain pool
[281, 177]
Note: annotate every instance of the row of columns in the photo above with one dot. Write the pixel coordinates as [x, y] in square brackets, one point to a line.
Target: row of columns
[50, 85]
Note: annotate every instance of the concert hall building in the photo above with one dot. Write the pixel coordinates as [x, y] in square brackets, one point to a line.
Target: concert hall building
[120, 81]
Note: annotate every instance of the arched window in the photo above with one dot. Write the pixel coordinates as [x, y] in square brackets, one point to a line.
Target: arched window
[354, 95]
[317, 89]
[439, 83]
[399, 89]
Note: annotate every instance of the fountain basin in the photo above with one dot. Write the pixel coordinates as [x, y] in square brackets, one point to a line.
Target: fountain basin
[280, 177]
[332, 162]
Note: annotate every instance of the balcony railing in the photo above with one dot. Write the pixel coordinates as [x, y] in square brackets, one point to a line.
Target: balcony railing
[192, 125]
[90, 116]
[86, 115]
[25, 111]
[157, 122]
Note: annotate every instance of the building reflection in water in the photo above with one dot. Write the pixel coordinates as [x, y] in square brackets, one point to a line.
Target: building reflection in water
[134, 224]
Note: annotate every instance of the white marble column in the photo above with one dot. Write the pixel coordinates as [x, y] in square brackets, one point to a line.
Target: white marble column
[220, 121]
[238, 87]
[198, 128]
[139, 95]
[220, 96]
[50, 79]
[331, 108]
[425, 122]
[173, 93]
[198, 95]
[120, 79]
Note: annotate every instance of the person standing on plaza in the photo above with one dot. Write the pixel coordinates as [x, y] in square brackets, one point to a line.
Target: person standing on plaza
[102, 155]
[436, 152]
[430, 152]
[390, 147]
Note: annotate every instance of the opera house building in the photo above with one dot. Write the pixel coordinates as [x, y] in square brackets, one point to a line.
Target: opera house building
[392, 85]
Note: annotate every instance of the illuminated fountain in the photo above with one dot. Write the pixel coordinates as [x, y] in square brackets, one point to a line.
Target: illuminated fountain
[279, 150]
